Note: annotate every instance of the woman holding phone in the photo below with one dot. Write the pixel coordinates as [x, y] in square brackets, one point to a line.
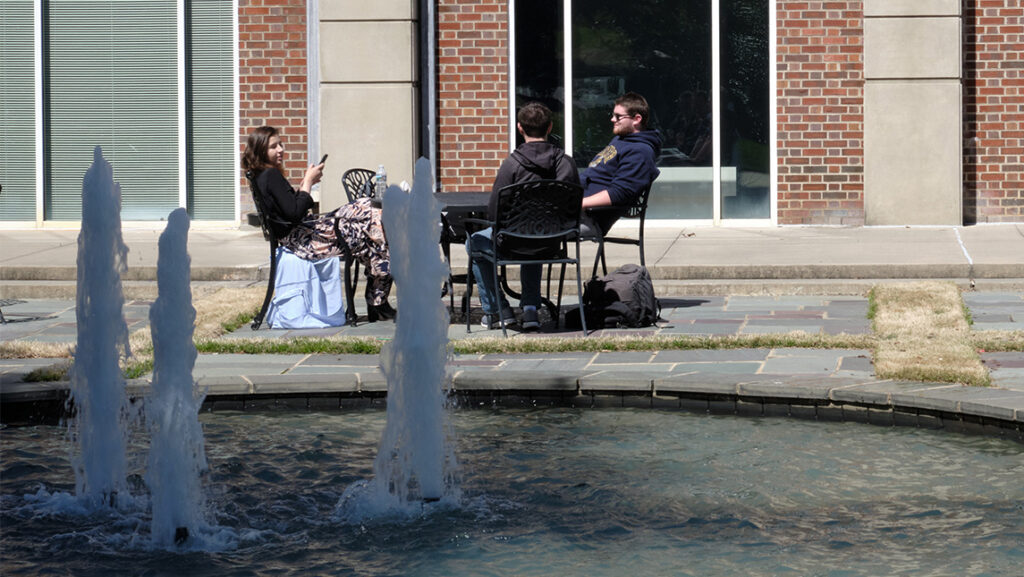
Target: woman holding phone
[355, 226]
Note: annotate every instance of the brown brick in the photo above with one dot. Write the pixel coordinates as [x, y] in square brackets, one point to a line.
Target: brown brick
[273, 90]
[993, 167]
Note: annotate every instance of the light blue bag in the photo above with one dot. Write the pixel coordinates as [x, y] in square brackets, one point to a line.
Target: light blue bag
[307, 295]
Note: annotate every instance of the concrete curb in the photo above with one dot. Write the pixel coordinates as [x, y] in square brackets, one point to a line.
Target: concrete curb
[1000, 409]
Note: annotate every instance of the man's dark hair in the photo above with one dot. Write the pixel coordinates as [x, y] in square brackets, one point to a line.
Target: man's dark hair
[635, 104]
[535, 118]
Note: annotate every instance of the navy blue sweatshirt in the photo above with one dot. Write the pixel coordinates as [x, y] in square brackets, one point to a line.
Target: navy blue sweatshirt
[624, 168]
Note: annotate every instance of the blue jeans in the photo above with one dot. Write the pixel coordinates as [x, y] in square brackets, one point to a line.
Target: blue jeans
[483, 271]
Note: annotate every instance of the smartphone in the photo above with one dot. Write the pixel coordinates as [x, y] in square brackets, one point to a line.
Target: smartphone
[323, 160]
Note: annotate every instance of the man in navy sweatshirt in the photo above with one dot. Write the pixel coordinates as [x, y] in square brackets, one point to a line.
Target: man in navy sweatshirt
[625, 167]
[534, 159]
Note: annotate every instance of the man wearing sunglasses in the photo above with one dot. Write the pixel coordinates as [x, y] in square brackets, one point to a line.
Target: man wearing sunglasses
[618, 174]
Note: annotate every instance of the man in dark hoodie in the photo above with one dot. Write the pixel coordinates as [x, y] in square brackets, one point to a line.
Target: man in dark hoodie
[625, 167]
[534, 159]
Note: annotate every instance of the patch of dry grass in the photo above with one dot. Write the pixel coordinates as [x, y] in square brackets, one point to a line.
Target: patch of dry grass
[484, 345]
[922, 334]
[796, 339]
[217, 312]
[998, 341]
[225, 310]
[35, 350]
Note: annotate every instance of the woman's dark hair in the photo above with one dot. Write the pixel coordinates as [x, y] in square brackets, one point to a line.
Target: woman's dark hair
[255, 156]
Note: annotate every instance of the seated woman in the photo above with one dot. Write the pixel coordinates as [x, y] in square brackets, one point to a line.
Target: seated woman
[355, 226]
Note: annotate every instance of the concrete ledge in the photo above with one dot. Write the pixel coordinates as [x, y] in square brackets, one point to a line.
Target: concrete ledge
[882, 402]
[791, 388]
[618, 383]
[136, 273]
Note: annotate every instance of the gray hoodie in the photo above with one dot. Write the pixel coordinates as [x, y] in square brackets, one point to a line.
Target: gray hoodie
[533, 161]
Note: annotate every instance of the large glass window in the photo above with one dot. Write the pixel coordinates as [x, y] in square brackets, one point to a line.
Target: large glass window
[112, 81]
[110, 76]
[662, 49]
[539, 61]
[210, 102]
[746, 176]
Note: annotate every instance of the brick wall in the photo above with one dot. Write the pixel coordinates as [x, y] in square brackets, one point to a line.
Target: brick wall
[820, 112]
[472, 63]
[272, 78]
[993, 111]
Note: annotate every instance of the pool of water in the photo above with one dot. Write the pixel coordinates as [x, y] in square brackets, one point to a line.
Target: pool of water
[553, 491]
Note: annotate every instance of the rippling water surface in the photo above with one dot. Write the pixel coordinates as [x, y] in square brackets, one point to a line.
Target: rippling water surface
[551, 492]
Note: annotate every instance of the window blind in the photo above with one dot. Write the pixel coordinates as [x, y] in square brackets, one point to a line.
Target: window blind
[212, 143]
[111, 68]
[17, 111]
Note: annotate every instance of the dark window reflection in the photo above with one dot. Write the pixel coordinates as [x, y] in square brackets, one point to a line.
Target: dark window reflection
[661, 49]
[745, 109]
[539, 60]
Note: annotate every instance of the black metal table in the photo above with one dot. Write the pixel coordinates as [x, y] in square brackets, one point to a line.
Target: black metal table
[455, 208]
[458, 206]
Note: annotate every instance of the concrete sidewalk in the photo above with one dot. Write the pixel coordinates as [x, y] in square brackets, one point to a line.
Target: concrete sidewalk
[721, 261]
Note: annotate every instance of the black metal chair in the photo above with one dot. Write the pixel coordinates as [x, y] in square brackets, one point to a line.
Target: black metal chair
[265, 215]
[358, 184]
[354, 180]
[637, 210]
[535, 223]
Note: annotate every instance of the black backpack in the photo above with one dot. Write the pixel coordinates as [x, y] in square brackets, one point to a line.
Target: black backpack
[624, 298]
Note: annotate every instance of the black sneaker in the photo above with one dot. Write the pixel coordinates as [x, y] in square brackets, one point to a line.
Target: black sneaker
[530, 321]
[490, 321]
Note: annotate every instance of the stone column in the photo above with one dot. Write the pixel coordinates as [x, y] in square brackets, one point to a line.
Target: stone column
[912, 112]
[369, 90]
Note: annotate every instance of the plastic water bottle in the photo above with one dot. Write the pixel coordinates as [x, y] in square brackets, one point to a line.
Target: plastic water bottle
[380, 182]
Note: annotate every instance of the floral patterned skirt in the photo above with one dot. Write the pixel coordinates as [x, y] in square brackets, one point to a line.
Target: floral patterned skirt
[358, 227]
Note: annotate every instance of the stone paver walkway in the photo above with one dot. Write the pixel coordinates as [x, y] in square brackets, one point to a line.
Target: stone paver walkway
[794, 378]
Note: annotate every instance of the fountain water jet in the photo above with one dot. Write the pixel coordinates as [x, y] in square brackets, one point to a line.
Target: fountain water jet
[176, 456]
[415, 462]
[97, 383]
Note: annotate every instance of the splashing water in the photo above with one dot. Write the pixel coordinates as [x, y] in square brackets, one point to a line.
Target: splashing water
[97, 384]
[176, 456]
[102, 455]
[415, 463]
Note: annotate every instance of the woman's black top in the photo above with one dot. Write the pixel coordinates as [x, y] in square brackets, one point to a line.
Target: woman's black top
[287, 206]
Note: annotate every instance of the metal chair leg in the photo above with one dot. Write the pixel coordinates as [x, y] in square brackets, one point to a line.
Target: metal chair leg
[579, 287]
[500, 296]
[467, 297]
[351, 317]
[258, 319]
